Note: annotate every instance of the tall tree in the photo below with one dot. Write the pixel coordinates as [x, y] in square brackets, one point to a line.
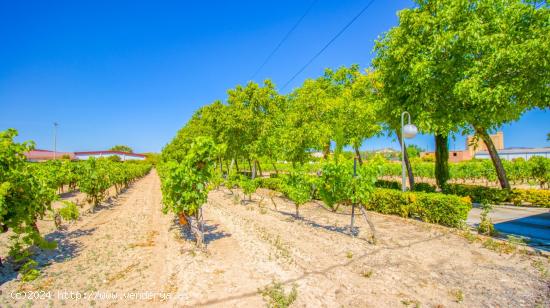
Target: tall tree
[122, 148]
[356, 109]
[466, 65]
[251, 112]
[306, 123]
[506, 65]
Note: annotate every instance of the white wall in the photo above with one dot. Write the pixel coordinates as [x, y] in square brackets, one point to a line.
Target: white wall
[510, 156]
[122, 157]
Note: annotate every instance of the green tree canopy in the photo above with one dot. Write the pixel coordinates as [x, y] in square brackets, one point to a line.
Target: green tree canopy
[466, 65]
[122, 148]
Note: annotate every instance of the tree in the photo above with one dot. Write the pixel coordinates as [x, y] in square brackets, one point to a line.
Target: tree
[251, 113]
[185, 184]
[508, 68]
[416, 78]
[387, 113]
[356, 107]
[25, 197]
[414, 150]
[470, 65]
[122, 148]
[306, 123]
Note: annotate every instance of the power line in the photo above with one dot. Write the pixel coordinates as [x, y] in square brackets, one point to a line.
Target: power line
[329, 43]
[284, 39]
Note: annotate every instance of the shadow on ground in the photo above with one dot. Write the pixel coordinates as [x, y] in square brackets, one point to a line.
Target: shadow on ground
[211, 231]
[67, 248]
[535, 228]
[67, 243]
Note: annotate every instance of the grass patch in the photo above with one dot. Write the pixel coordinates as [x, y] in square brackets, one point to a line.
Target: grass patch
[276, 296]
[458, 295]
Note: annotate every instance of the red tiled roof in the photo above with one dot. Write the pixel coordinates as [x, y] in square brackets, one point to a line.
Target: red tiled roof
[108, 152]
[46, 155]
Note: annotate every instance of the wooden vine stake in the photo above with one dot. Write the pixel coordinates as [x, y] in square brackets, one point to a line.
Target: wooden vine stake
[363, 211]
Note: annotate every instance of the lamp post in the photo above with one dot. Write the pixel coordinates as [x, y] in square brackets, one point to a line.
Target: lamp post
[407, 131]
[55, 139]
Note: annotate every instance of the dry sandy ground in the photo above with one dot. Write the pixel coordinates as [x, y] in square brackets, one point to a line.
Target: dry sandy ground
[129, 247]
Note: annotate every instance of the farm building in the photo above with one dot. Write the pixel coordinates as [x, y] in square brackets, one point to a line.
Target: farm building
[98, 154]
[512, 153]
[44, 155]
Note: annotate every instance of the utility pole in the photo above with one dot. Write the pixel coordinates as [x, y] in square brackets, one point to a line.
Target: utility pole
[55, 139]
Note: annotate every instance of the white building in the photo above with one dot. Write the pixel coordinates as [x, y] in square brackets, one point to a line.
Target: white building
[512, 153]
[98, 154]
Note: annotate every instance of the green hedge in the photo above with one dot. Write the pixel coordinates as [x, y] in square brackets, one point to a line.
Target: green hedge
[532, 196]
[446, 210]
[519, 197]
[480, 194]
[425, 187]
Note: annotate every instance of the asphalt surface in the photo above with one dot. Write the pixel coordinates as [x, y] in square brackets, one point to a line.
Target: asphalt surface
[532, 224]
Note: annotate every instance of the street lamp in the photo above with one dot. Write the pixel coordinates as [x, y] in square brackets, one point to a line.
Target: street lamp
[55, 139]
[407, 131]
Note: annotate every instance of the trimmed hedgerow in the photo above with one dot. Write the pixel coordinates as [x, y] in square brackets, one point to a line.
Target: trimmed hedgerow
[436, 208]
[425, 187]
[535, 197]
[446, 210]
[519, 197]
[483, 194]
[478, 194]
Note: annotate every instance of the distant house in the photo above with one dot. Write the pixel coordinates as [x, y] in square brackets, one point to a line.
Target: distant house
[473, 147]
[98, 154]
[512, 153]
[317, 154]
[44, 155]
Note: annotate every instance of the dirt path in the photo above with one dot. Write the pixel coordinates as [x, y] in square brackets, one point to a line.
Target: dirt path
[129, 247]
[122, 247]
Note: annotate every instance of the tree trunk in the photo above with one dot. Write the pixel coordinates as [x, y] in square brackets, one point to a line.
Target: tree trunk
[297, 210]
[441, 160]
[326, 150]
[221, 166]
[352, 219]
[275, 167]
[259, 168]
[358, 155]
[227, 168]
[195, 228]
[237, 165]
[369, 222]
[407, 162]
[252, 169]
[499, 168]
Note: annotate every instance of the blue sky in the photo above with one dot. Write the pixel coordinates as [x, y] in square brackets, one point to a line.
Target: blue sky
[133, 72]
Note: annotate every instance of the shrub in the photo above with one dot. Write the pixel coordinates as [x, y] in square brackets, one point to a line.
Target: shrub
[297, 186]
[478, 194]
[275, 295]
[248, 186]
[335, 184]
[486, 226]
[270, 183]
[69, 212]
[437, 208]
[425, 187]
[540, 169]
[387, 184]
[534, 197]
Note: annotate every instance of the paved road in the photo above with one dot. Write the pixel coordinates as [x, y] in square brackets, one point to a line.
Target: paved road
[531, 223]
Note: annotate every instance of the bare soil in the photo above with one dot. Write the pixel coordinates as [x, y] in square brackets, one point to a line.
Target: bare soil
[128, 247]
